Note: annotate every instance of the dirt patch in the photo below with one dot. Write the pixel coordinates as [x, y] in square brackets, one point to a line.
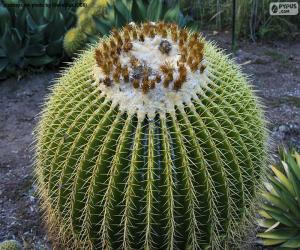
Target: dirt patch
[20, 103]
[275, 72]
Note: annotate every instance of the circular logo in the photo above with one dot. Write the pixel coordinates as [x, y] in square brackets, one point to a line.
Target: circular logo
[274, 9]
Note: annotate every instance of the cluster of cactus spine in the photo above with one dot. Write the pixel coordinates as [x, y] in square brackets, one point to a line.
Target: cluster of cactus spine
[112, 173]
[108, 56]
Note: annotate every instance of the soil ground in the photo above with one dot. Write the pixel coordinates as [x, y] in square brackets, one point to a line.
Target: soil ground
[275, 71]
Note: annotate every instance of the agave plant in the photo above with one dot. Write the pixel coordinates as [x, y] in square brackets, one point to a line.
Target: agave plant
[32, 36]
[114, 14]
[281, 204]
[118, 13]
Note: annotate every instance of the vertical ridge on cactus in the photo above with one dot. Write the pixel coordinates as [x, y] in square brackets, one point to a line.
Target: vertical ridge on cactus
[152, 143]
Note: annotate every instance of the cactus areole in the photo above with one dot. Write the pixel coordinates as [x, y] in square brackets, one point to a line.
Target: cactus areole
[152, 140]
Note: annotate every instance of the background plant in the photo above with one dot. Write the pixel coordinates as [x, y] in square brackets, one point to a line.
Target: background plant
[101, 16]
[280, 209]
[32, 37]
[77, 37]
[252, 17]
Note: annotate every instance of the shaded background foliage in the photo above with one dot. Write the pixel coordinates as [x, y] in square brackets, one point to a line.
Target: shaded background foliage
[252, 17]
[98, 18]
[32, 37]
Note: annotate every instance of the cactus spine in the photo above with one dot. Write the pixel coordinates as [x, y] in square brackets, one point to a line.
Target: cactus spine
[151, 140]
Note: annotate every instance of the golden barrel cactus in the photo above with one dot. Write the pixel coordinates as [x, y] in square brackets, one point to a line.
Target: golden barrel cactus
[152, 139]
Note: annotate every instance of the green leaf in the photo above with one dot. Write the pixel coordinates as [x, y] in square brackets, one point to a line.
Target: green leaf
[188, 21]
[266, 223]
[296, 185]
[293, 166]
[56, 28]
[11, 69]
[281, 218]
[279, 234]
[274, 200]
[264, 214]
[92, 39]
[41, 28]
[122, 14]
[128, 4]
[283, 179]
[13, 46]
[3, 64]
[270, 207]
[139, 11]
[4, 19]
[2, 52]
[272, 242]
[21, 22]
[154, 10]
[16, 37]
[55, 48]
[39, 61]
[279, 215]
[297, 188]
[69, 20]
[30, 22]
[172, 15]
[285, 196]
[292, 243]
[36, 38]
[273, 226]
[47, 10]
[297, 157]
[36, 14]
[103, 26]
[35, 50]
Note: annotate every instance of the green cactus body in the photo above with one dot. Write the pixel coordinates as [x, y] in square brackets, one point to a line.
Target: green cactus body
[10, 245]
[86, 24]
[152, 140]
[74, 40]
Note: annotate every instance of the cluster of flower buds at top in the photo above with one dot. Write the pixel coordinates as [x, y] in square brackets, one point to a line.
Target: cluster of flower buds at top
[139, 74]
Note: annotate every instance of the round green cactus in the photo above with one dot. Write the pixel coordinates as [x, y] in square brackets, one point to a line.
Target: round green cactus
[86, 24]
[151, 140]
[73, 40]
[10, 245]
[77, 37]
